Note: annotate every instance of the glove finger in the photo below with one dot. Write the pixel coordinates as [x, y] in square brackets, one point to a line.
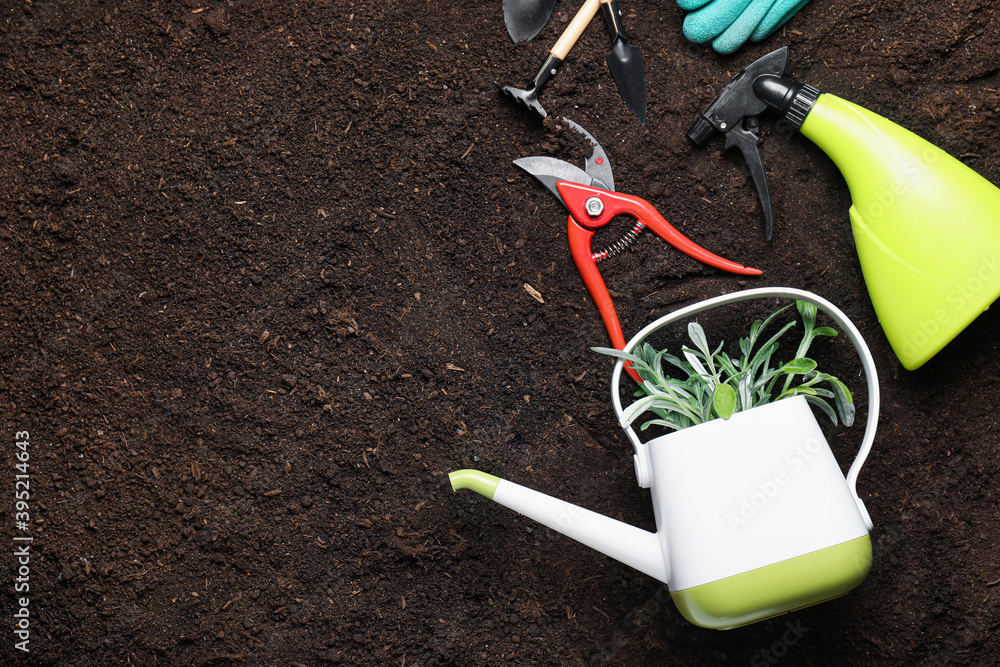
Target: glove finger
[740, 30]
[689, 5]
[709, 21]
[779, 13]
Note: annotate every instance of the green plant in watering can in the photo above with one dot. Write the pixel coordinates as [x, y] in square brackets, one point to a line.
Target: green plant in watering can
[716, 385]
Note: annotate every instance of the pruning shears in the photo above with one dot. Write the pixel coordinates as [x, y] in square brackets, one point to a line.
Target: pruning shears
[589, 196]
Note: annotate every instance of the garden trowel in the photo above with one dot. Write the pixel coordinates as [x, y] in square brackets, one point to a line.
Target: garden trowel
[526, 18]
[625, 63]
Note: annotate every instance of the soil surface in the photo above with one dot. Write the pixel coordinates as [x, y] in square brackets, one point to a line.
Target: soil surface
[264, 271]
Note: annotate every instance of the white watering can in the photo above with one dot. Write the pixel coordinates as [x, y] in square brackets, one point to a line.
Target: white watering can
[754, 516]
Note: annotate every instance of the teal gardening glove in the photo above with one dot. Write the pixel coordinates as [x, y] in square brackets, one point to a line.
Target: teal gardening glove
[729, 23]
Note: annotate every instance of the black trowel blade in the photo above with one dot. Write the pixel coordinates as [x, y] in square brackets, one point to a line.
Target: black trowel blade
[625, 63]
[526, 18]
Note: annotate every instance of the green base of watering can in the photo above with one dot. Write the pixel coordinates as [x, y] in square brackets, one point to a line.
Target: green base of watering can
[777, 589]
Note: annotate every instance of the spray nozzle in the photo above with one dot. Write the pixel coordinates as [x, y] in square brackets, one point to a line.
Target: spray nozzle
[734, 113]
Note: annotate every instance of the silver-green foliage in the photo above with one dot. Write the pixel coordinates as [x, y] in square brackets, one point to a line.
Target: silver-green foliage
[712, 384]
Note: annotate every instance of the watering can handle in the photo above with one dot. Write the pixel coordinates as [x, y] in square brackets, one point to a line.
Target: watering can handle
[642, 465]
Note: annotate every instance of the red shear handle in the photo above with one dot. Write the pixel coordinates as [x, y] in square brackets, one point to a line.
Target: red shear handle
[579, 245]
[591, 208]
[584, 201]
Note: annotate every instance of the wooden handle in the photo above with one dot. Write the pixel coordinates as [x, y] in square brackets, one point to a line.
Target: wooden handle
[575, 29]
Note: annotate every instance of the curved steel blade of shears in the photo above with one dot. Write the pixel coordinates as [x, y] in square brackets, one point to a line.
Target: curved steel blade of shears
[598, 165]
[549, 171]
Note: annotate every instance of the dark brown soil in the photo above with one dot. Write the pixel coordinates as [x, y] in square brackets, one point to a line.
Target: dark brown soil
[263, 269]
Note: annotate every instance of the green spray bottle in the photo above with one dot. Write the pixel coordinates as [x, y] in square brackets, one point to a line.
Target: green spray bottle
[926, 226]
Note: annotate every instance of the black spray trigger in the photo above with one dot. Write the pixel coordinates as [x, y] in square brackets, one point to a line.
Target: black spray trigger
[745, 137]
[738, 99]
[733, 113]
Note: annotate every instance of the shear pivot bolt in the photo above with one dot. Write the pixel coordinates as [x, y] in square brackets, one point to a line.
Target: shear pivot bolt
[595, 206]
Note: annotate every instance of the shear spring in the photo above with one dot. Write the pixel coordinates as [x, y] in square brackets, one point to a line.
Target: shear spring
[621, 244]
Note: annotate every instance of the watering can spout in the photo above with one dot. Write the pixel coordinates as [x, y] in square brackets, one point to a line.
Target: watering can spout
[632, 546]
